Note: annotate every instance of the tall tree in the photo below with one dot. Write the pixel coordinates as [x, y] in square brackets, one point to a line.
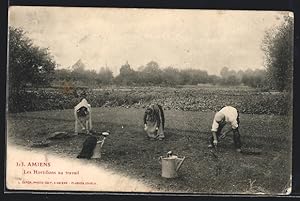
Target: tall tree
[105, 76]
[152, 74]
[127, 75]
[171, 76]
[28, 64]
[278, 48]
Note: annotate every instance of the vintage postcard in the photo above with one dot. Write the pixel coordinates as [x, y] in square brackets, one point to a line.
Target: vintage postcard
[149, 100]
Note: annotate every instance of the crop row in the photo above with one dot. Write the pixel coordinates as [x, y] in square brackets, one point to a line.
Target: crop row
[186, 99]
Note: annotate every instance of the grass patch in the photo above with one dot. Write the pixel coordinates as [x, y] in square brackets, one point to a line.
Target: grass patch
[128, 150]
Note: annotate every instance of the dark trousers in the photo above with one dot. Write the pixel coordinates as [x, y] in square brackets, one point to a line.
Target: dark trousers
[236, 134]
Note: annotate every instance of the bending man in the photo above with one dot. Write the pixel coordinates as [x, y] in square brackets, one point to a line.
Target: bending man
[227, 115]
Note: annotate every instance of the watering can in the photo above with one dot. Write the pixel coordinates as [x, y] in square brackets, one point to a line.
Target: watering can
[97, 149]
[170, 165]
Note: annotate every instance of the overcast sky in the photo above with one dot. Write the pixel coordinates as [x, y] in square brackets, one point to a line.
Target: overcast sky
[200, 39]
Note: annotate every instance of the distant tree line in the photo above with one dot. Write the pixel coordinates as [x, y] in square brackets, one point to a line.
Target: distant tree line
[152, 74]
[78, 75]
[30, 65]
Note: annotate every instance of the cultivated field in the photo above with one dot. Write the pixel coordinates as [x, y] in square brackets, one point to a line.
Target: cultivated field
[264, 167]
[185, 98]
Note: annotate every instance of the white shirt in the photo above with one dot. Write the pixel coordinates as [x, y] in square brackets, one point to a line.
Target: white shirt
[230, 114]
[83, 103]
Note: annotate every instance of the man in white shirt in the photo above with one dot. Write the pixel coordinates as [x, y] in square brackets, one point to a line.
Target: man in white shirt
[83, 116]
[227, 115]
